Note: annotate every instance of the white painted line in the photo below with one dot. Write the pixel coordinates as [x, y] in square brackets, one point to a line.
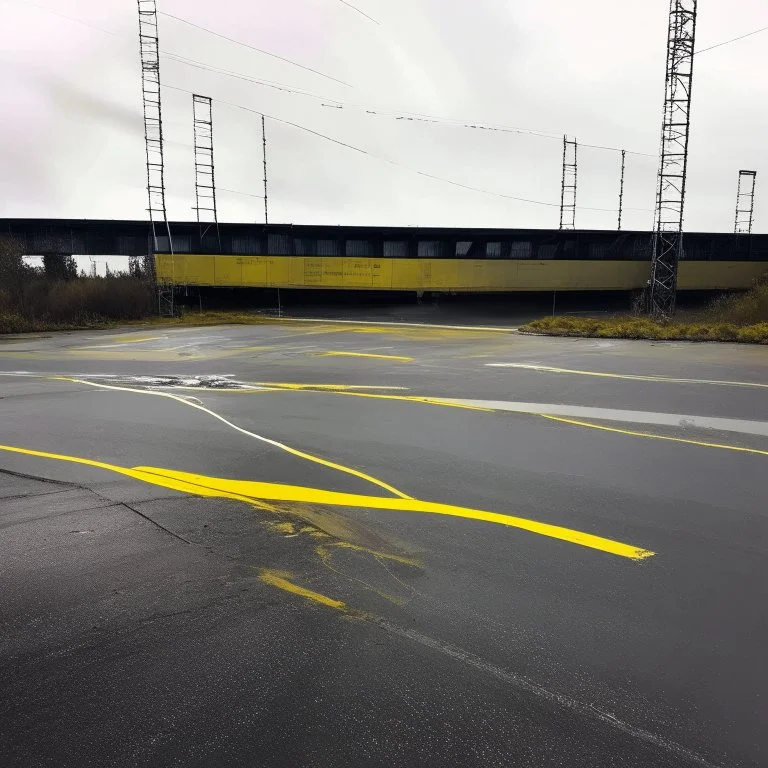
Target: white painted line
[743, 426]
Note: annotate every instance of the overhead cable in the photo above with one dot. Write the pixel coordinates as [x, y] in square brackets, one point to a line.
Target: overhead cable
[362, 13]
[732, 40]
[252, 47]
[395, 163]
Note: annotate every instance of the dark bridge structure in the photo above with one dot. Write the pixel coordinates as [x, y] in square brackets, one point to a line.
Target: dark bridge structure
[397, 258]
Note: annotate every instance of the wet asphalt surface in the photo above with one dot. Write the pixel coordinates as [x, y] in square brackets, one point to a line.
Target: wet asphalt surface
[141, 626]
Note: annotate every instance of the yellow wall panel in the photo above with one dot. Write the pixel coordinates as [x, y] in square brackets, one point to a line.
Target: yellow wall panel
[254, 270]
[355, 273]
[719, 274]
[228, 270]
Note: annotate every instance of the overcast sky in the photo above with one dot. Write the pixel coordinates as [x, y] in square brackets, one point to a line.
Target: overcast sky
[71, 135]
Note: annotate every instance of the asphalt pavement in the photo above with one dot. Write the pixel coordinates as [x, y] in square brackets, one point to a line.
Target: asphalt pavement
[365, 544]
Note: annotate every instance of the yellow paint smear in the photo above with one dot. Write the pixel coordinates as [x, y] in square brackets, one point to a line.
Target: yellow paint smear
[280, 580]
[701, 443]
[255, 492]
[325, 554]
[367, 354]
[375, 552]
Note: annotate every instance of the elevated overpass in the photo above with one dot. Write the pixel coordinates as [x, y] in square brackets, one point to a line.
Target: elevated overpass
[397, 258]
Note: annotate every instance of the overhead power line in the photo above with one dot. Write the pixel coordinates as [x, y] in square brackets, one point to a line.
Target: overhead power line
[238, 76]
[339, 105]
[355, 8]
[732, 40]
[416, 117]
[394, 163]
[69, 18]
[331, 102]
[238, 192]
[252, 47]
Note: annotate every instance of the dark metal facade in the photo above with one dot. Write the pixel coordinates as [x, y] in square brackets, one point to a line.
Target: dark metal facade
[90, 237]
[670, 196]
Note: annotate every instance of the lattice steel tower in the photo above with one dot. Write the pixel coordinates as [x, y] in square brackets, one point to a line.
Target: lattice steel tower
[264, 155]
[153, 135]
[745, 202]
[670, 191]
[205, 180]
[568, 188]
[621, 186]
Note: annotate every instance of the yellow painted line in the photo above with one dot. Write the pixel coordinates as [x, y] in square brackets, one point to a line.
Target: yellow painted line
[405, 398]
[255, 491]
[133, 341]
[275, 443]
[367, 354]
[630, 376]
[279, 579]
[416, 399]
[340, 387]
[191, 489]
[652, 436]
[275, 388]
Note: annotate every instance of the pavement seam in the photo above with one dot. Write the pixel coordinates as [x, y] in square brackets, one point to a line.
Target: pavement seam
[154, 522]
[39, 478]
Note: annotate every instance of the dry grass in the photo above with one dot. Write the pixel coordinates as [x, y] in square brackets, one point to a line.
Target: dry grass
[16, 323]
[627, 327]
[86, 302]
[210, 317]
[731, 317]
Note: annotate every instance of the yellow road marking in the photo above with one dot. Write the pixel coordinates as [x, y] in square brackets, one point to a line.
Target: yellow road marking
[275, 443]
[652, 436]
[256, 491]
[630, 376]
[133, 341]
[339, 387]
[405, 398]
[279, 579]
[367, 354]
[416, 399]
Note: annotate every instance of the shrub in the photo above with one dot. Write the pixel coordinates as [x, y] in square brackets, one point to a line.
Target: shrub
[89, 300]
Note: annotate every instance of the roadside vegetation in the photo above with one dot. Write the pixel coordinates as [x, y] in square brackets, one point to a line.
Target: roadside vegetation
[741, 317]
[56, 297]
